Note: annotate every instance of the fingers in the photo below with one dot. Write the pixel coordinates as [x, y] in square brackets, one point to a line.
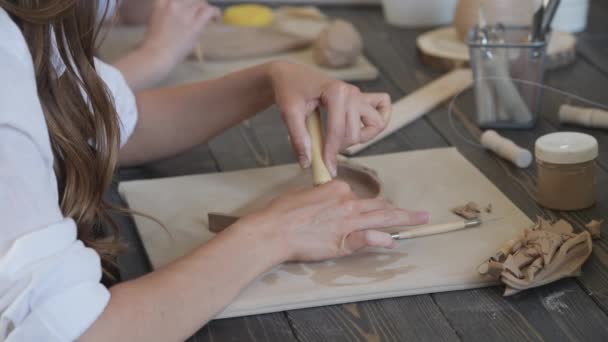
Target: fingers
[381, 102]
[335, 99]
[368, 238]
[295, 115]
[204, 13]
[391, 217]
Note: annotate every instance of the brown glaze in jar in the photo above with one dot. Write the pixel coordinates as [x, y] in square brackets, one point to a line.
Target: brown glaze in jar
[566, 170]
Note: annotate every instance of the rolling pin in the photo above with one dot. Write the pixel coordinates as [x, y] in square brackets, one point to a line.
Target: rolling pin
[320, 174]
[436, 229]
[587, 117]
[506, 149]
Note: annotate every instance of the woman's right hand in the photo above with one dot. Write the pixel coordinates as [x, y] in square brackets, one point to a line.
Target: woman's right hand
[326, 222]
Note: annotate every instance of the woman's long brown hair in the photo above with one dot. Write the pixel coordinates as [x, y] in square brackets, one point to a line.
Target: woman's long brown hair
[79, 112]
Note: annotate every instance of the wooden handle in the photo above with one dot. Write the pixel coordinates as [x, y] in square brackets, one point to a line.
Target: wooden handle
[320, 174]
[506, 149]
[436, 229]
[588, 117]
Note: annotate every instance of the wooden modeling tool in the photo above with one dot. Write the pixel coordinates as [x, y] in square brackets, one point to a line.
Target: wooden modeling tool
[436, 229]
[320, 174]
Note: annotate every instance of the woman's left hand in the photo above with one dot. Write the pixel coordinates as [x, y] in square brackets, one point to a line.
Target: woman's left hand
[353, 117]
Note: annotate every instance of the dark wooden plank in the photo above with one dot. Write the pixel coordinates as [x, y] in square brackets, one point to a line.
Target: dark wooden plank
[415, 318]
[593, 42]
[196, 160]
[403, 41]
[269, 327]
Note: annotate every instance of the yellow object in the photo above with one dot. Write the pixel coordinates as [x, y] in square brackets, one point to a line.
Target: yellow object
[248, 15]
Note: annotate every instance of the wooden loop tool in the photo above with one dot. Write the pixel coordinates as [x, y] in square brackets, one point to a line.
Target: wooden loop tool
[320, 173]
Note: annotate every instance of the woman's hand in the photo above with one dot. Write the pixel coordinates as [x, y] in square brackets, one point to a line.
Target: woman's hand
[325, 222]
[353, 117]
[175, 26]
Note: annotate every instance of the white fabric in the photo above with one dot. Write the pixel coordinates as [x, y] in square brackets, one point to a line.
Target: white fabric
[49, 281]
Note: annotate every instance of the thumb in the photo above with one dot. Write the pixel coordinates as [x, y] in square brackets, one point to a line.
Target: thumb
[367, 238]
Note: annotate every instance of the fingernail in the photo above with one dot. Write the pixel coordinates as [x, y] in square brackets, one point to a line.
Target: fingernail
[379, 239]
[420, 217]
[307, 149]
[304, 162]
[331, 167]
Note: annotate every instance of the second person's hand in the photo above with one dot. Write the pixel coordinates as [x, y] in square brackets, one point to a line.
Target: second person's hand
[175, 26]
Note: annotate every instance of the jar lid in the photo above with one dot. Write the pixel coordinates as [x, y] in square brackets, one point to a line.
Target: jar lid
[566, 148]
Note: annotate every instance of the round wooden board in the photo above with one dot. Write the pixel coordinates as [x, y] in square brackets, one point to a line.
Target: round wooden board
[442, 49]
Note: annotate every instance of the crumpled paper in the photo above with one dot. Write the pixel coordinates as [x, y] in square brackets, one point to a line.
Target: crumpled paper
[540, 255]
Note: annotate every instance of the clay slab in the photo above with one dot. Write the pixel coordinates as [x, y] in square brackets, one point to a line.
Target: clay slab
[436, 180]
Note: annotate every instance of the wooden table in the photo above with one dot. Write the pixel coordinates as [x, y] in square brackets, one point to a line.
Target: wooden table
[572, 309]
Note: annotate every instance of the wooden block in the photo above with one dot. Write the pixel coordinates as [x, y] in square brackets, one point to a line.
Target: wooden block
[443, 50]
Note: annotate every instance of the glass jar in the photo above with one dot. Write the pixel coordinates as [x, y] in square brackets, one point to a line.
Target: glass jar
[565, 163]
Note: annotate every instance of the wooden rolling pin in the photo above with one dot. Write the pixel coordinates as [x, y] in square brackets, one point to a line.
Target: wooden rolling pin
[320, 174]
[587, 117]
[436, 229]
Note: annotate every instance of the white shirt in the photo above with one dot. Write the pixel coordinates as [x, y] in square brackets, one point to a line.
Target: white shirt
[50, 286]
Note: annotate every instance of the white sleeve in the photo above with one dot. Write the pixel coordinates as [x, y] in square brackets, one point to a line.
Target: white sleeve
[49, 281]
[123, 97]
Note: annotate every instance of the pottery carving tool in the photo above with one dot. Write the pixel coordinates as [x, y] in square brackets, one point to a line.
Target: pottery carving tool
[219, 222]
[436, 229]
[550, 10]
[320, 174]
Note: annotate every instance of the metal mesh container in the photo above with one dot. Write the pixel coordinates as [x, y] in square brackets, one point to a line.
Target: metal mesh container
[504, 62]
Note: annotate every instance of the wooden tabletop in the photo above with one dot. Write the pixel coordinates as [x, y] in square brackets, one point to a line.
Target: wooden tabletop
[571, 309]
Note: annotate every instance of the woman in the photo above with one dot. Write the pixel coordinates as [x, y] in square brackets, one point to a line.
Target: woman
[67, 120]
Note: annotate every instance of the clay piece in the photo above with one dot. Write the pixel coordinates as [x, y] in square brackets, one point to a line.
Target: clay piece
[488, 208]
[226, 42]
[545, 253]
[468, 211]
[363, 181]
[339, 45]
[594, 228]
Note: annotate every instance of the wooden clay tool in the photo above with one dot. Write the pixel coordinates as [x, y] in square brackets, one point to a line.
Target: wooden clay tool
[587, 117]
[436, 229]
[506, 149]
[320, 174]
